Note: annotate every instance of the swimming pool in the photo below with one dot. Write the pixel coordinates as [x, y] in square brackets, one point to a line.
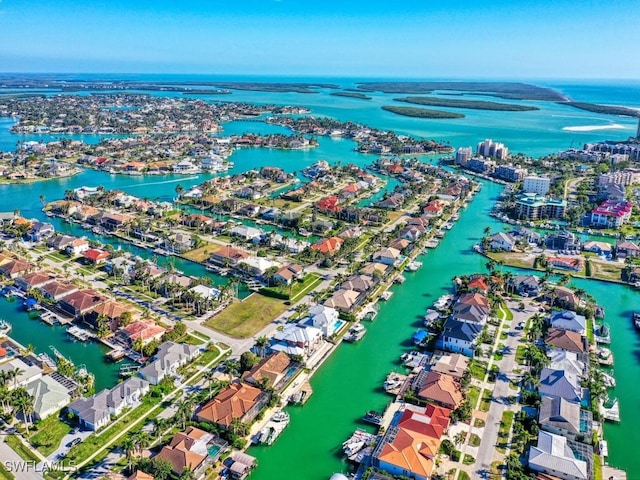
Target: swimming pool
[338, 325]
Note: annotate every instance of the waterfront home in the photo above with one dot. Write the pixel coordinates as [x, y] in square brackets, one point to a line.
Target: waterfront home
[120, 266]
[473, 299]
[411, 233]
[470, 313]
[228, 256]
[273, 370]
[258, 266]
[167, 360]
[560, 384]
[566, 263]
[531, 237]
[186, 167]
[96, 256]
[387, 256]
[179, 243]
[563, 297]
[562, 241]
[60, 242]
[392, 202]
[525, 285]
[601, 248]
[328, 246]
[77, 246]
[238, 401]
[477, 283]
[288, 273]
[246, 233]
[112, 311]
[358, 283]
[553, 455]
[399, 244]
[452, 364]
[49, 396]
[561, 417]
[95, 412]
[144, 331]
[374, 269]
[114, 221]
[33, 280]
[329, 204]
[570, 362]
[344, 300]
[205, 292]
[57, 290]
[171, 284]
[295, 339]
[438, 388]
[27, 372]
[409, 447]
[434, 208]
[502, 242]
[16, 268]
[568, 320]
[139, 475]
[188, 449]
[39, 231]
[625, 249]
[459, 337]
[324, 318]
[80, 302]
[566, 340]
[611, 214]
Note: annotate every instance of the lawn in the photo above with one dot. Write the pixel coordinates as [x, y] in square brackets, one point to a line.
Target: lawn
[479, 423]
[23, 451]
[478, 369]
[50, 434]
[606, 270]
[462, 475]
[474, 440]
[520, 351]
[201, 254]
[298, 289]
[473, 395]
[513, 259]
[468, 460]
[5, 474]
[485, 403]
[245, 318]
[505, 428]
[597, 467]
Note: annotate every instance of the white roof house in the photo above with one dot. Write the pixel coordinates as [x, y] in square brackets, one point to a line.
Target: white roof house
[243, 231]
[324, 318]
[259, 265]
[566, 361]
[568, 320]
[206, 292]
[27, 373]
[553, 455]
[48, 395]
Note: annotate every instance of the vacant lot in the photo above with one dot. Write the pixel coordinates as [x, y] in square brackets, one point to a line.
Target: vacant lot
[245, 318]
[201, 254]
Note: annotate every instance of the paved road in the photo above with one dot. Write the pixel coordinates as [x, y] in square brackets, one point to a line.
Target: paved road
[501, 393]
[18, 467]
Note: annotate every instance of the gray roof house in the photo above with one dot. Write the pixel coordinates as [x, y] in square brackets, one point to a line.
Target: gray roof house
[459, 337]
[568, 361]
[95, 411]
[170, 356]
[40, 230]
[28, 373]
[565, 418]
[48, 395]
[525, 285]
[554, 456]
[560, 384]
[569, 320]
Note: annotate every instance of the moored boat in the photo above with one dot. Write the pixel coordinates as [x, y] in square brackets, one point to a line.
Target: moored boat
[636, 320]
[355, 333]
[373, 417]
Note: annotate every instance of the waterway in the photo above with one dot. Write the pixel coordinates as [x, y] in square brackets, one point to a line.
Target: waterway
[350, 381]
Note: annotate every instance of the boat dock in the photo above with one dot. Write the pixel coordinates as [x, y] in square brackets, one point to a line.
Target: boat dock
[79, 333]
[273, 428]
[128, 370]
[302, 395]
[611, 413]
[394, 383]
[115, 354]
[359, 445]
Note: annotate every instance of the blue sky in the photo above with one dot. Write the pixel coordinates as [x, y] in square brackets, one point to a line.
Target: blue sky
[406, 38]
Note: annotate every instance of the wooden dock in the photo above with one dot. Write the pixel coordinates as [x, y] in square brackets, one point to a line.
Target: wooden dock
[302, 395]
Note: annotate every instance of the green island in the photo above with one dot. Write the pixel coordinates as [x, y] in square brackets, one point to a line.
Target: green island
[471, 104]
[510, 90]
[360, 96]
[420, 112]
[607, 109]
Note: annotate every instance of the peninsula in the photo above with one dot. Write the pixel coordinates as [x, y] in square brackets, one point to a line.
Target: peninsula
[470, 104]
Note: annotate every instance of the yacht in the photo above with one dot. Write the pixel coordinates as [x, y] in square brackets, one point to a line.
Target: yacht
[355, 333]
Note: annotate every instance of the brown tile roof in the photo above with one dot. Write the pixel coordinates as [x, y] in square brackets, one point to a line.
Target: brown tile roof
[140, 475]
[179, 453]
[565, 340]
[273, 368]
[112, 309]
[83, 300]
[37, 278]
[58, 288]
[442, 389]
[233, 402]
[143, 330]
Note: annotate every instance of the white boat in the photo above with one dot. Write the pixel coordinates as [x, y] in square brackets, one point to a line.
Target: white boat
[5, 328]
[609, 380]
[413, 266]
[280, 416]
[386, 295]
[355, 333]
[443, 302]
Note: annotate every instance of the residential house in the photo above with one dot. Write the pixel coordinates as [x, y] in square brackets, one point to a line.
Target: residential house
[228, 256]
[295, 339]
[569, 320]
[329, 204]
[625, 249]
[525, 285]
[502, 241]
[566, 340]
[452, 364]
[49, 396]
[168, 359]
[434, 209]
[57, 290]
[179, 243]
[144, 331]
[246, 233]
[27, 372]
[77, 246]
[601, 248]
[409, 447]
[111, 311]
[563, 297]
[238, 401]
[358, 283]
[324, 318]
[60, 242]
[343, 300]
[563, 241]
[240, 465]
[273, 368]
[258, 266]
[95, 412]
[33, 280]
[374, 269]
[188, 449]
[80, 302]
[459, 337]
[288, 273]
[574, 264]
[328, 246]
[204, 291]
[478, 283]
[440, 389]
[16, 268]
[560, 384]
[387, 256]
[553, 455]
[96, 256]
[570, 362]
[561, 417]
[39, 231]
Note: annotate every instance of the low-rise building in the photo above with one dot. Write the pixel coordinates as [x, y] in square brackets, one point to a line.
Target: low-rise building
[554, 456]
[273, 369]
[560, 384]
[238, 401]
[611, 214]
[168, 359]
[569, 320]
[531, 206]
[459, 337]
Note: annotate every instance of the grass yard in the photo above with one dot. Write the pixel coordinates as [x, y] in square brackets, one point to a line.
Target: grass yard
[473, 395]
[479, 423]
[245, 318]
[485, 403]
[522, 260]
[478, 369]
[201, 254]
[5, 474]
[23, 451]
[606, 270]
[300, 289]
[51, 431]
[520, 351]
[597, 467]
[468, 460]
[505, 428]
[474, 440]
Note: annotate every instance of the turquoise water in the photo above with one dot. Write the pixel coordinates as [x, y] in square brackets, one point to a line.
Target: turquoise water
[349, 384]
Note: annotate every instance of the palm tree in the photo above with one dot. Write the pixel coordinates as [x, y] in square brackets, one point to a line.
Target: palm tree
[187, 474]
[184, 412]
[15, 373]
[262, 343]
[209, 376]
[129, 447]
[159, 426]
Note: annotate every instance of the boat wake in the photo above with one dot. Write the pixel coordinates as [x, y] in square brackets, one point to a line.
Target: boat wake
[594, 128]
[178, 180]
